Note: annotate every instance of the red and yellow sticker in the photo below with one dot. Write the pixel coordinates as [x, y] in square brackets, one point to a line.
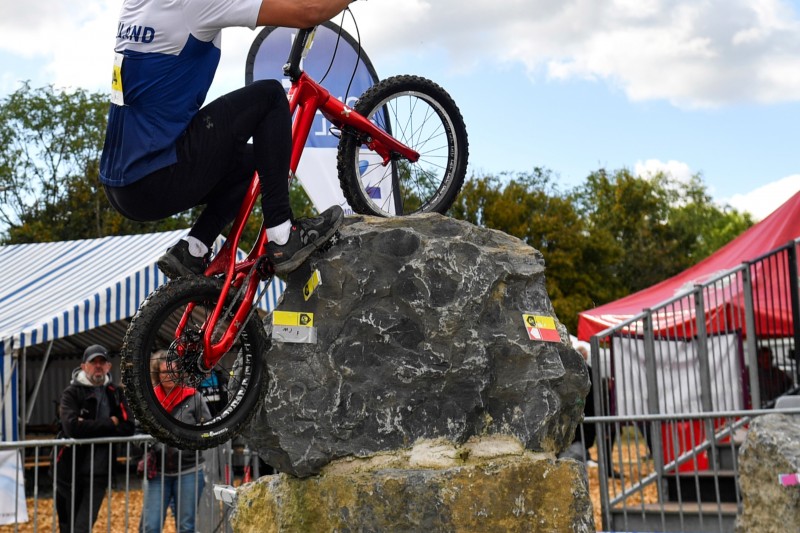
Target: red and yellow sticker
[541, 328]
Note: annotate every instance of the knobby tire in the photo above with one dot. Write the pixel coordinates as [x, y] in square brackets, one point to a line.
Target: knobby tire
[420, 114]
[241, 373]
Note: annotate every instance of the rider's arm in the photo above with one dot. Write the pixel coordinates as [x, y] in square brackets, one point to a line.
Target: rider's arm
[298, 13]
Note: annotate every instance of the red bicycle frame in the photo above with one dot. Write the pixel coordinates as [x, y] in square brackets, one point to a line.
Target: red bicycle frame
[306, 97]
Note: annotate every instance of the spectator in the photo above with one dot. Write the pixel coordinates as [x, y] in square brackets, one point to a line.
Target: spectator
[174, 477]
[91, 407]
[772, 380]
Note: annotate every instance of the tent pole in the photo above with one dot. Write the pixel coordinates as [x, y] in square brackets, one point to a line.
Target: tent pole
[22, 396]
[35, 392]
[7, 384]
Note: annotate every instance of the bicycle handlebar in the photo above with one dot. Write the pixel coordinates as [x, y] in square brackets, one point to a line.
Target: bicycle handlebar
[292, 67]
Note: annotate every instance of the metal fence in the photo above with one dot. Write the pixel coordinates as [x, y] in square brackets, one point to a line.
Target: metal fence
[675, 388]
[120, 490]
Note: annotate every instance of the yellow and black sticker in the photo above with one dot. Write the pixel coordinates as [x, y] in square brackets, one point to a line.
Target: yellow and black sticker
[541, 328]
[311, 285]
[292, 318]
[117, 94]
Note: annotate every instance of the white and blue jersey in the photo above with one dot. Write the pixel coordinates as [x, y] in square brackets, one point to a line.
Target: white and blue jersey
[167, 52]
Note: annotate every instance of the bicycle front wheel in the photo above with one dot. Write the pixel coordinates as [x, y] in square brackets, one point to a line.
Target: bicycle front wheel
[160, 368]
[421, 115]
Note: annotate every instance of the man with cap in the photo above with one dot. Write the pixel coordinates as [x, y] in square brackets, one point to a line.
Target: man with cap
[91, 407]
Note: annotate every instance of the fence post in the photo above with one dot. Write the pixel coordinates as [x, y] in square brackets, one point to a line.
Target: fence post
[702, 348]
[750, 325]
[600, 434]
[795, 299]
[705, 369]
[653, 406]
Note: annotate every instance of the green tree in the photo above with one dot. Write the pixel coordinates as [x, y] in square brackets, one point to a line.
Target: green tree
[701, 226]
[615, 234]
[50, 146]
[653, 227]
[531, 207]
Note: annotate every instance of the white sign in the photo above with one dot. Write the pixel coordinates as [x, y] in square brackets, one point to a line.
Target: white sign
[12, 486]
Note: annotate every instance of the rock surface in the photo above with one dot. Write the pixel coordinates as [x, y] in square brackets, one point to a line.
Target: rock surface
[489, 484]
[419, 335]
[770, 449]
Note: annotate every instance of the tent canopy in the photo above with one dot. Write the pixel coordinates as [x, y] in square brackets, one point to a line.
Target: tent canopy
[64, 296]
[778, 229]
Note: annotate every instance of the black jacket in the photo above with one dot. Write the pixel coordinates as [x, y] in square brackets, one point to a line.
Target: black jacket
[79, 420]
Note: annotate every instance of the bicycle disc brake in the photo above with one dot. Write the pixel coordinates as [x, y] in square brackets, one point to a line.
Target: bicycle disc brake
[183, 359]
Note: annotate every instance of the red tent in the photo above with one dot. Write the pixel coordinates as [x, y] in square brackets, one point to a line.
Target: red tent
[778, 229]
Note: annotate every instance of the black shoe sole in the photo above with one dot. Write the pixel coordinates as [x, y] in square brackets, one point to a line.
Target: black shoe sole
[302, 254]
[171, 267]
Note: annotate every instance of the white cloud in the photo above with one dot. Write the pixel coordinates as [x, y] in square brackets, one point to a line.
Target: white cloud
[767, 198]
[677, 169]
[759, 202]
[693, 54]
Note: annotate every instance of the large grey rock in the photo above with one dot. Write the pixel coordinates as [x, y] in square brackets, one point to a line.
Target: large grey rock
[771, 448]
[419, 335]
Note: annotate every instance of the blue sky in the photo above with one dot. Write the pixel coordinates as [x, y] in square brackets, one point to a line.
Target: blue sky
[686, 86]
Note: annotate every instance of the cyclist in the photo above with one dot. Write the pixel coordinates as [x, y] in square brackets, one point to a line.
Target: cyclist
[164, 153]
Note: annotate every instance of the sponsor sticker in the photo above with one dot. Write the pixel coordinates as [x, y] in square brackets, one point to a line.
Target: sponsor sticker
[117, 96]
[294, 327]
[292, 318]
[541, 328]
[311, 285]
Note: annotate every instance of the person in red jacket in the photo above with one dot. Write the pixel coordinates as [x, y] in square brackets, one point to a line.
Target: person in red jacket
[91, 407]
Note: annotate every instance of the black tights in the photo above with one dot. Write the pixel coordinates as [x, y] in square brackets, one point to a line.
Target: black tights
[215, 164]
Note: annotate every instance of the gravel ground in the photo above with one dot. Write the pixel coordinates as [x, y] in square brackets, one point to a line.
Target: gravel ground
[119, 508]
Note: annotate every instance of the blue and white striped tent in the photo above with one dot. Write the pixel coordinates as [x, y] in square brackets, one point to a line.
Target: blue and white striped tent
[62, 292]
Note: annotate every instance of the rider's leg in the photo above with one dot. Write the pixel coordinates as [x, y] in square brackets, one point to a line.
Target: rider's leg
[261, 111]
[257, 111]
[215, 166]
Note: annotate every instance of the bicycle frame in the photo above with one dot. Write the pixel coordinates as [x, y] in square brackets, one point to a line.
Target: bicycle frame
[306, 97]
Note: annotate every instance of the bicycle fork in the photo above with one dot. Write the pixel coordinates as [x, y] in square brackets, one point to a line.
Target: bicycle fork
[244, 276]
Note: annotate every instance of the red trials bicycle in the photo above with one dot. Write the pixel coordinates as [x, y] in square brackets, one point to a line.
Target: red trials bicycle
[402, 150]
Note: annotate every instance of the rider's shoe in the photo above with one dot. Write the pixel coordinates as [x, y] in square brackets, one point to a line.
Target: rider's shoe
[307, 235]
[178, 262]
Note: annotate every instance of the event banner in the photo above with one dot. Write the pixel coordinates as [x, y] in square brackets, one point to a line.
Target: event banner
[336, 63]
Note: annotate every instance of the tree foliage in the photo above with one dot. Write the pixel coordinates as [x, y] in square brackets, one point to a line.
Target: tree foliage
[50, 146]
[615, 234]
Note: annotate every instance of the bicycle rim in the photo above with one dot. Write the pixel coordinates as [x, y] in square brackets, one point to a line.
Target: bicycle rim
[402, 187]
[162, 370]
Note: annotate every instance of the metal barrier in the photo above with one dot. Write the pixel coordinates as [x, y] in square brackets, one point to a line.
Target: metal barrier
[121, 490]
[675, 388]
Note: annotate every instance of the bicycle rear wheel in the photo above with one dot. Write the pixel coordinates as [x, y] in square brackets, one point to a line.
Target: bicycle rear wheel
[232, 390]
[421, 115]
